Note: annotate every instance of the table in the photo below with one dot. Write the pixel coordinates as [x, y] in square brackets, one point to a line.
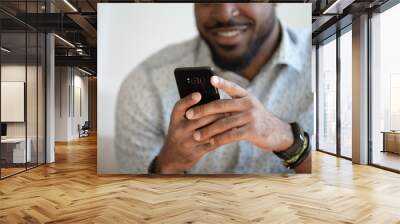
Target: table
[13, 150]
[391, 141]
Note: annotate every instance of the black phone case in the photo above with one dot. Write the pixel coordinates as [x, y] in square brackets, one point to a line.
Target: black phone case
[196, 79]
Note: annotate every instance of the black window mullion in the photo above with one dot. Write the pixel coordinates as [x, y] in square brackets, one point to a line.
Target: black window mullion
[317, 96]
[338, 76]
[26, 87]
[369, 95]
[37, 91]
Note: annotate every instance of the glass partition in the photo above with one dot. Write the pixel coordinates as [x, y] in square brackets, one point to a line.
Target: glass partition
[14, 153]
[22, 101]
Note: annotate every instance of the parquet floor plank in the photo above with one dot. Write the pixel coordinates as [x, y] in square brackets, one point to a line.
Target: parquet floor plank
[70, 191]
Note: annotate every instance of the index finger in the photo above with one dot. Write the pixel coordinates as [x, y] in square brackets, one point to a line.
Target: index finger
[216, 107]
[232, 89]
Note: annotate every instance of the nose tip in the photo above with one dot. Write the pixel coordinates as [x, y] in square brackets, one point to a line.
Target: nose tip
[225, 11]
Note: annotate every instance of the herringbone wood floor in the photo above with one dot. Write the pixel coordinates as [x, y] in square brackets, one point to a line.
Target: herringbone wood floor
[70, 191]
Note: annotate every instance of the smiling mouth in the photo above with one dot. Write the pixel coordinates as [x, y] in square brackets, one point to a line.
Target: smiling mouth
[228, 33]
[228, 36]
[231, 31]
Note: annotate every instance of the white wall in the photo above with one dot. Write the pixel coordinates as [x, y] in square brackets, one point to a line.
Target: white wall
[82, 82]
[129, 33]
[296, 15]
[61, 103]
[68, 81]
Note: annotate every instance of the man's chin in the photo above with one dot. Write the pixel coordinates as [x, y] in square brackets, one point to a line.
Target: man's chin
[227, 49]
[230, 51]
[231, 64]
[229, 56]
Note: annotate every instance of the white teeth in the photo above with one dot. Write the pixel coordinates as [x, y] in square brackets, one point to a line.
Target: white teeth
[229, 33]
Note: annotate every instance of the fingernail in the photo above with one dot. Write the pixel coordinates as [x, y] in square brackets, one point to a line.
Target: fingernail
[197, 136]
[212, 141]
[189, 114]
[214, 80]
[195, 96]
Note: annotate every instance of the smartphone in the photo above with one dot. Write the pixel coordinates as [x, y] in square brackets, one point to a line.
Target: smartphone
[196, 79]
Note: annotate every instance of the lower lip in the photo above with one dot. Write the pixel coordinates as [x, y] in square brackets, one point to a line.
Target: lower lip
[229, 40]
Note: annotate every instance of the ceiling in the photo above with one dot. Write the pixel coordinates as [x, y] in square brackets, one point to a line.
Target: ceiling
[76, 22]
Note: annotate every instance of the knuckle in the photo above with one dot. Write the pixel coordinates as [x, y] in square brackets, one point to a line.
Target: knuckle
[221, 104]
[207, 132]
[198, 110]
[199, 123]
[220, 116]
[229, 120]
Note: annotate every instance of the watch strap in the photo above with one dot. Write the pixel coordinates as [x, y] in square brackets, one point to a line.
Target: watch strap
[298, 138]
[303, 155]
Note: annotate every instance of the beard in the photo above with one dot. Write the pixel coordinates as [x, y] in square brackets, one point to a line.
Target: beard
[239, 63]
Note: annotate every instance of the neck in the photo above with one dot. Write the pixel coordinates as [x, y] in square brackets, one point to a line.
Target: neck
[264, 54]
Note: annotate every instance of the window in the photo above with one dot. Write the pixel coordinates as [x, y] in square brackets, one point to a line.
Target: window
[327, 97]
[385, 89]
[346, 94]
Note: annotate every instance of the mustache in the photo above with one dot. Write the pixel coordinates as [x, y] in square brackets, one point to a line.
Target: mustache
[229, 23]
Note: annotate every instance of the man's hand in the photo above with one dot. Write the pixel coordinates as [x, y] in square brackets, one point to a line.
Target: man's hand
[180, 151]
[246, 119]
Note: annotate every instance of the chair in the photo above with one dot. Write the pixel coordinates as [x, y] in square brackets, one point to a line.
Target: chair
[84, 130]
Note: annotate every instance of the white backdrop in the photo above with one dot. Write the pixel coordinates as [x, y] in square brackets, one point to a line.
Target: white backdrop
[129, 33]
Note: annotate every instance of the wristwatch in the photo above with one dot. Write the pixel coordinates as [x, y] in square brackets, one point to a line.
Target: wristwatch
[298, 152]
